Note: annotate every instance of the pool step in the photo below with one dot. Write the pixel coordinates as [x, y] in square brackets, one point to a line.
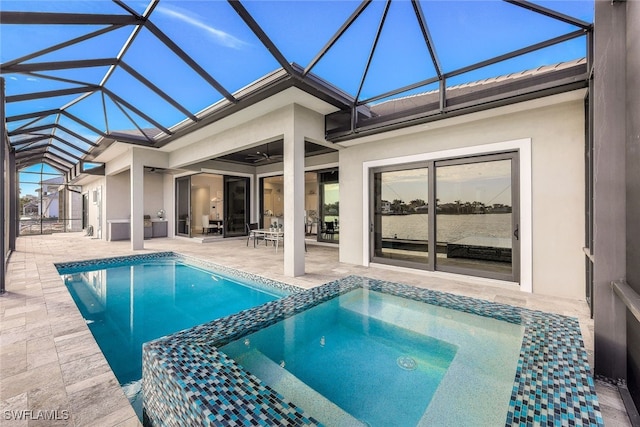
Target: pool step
[295, 391]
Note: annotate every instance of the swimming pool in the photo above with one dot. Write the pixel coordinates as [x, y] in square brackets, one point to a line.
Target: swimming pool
[127, 301]
[188, 378]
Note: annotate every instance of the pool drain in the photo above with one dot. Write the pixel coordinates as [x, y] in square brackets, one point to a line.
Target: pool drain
[407, 363]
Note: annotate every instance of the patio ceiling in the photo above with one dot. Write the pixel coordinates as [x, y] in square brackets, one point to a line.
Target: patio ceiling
[83, 72]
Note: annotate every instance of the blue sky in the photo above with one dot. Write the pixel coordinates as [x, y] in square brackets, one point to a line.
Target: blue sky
[212, 33]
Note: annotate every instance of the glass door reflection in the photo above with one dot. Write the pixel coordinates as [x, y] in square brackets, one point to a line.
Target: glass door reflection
[401, 217]
[183, 206]
[236, 206]
[476, 223]
[329, 218]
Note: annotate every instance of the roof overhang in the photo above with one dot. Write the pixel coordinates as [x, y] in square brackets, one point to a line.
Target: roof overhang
[576, 95]
[273, 91]
[461, 101]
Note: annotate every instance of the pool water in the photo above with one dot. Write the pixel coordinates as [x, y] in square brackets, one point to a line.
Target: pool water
[368, 358]
[128, 305]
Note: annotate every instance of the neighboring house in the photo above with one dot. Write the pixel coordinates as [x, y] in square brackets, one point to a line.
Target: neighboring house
[49, 190]
[31, 209]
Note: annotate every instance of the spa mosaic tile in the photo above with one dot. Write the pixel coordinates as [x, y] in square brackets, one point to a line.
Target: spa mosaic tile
[186, 380]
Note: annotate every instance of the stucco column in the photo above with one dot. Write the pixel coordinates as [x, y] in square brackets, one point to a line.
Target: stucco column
[293, 199]
[137, 200]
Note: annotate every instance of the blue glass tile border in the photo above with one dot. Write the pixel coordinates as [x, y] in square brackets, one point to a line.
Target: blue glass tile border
[94, 264]
[263, 283]
[186, 380]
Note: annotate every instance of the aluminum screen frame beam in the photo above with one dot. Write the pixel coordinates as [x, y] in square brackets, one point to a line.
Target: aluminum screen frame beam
[55, 126]
[189, 61]
[481, 64]
[62, 167]
[262, 36]
[122, 102]
[65, 152]
[60, 159]
[551, 13]
[157, 91]
[39, 115]
[60, 46]
[424, 28]
[59, 65]
[372, 51]
[344, 27]
[53, 18]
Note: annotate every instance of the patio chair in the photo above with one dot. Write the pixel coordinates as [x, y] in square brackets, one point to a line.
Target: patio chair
[251, 234]
[275, 238]
[205, 224]
[329, 229]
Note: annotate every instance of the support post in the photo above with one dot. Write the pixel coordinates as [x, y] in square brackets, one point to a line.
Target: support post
[136, 192]
[3, 186]
[13, 201]
[609, 198]
[293, 198]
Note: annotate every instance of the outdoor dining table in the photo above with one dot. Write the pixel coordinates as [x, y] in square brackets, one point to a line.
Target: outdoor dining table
[268, 234]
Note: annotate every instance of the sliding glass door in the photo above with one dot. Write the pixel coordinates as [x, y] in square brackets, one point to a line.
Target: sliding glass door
[454, 215]
[477, 216]
[329, 204]
[183, 206]
[401, 217]
[236, 206]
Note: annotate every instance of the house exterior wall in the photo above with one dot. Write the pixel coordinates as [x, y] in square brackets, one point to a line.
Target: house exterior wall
[153, 193]
[118, 203]
[95, 208]
[74, 208]
[269, 127]
[556, 132]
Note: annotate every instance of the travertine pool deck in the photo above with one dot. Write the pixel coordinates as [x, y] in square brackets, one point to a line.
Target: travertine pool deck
[50, 366]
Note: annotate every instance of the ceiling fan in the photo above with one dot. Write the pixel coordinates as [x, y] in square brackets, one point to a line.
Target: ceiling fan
[261, 156]
[157, 170]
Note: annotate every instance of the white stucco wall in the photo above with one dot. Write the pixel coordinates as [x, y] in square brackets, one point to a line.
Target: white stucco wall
[118, 202]
[153, 193]
[557, 181]
[95, 209]
[74, 208]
